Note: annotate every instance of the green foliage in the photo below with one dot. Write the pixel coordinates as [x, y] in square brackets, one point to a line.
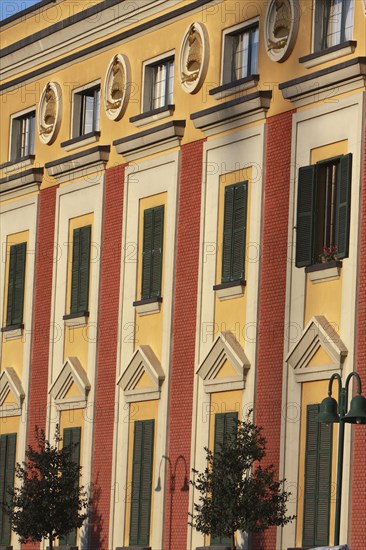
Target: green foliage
[48, 503]
[236, 492]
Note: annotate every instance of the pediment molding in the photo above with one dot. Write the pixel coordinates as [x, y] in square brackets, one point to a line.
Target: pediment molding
[71, 373]
[143, 361]
[225, 347]
[319, 333]
[10, 383]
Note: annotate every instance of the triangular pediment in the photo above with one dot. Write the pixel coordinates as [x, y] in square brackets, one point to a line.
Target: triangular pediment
[71, 387]
[143, 376]
[225, 366]
[319, 350]
[11, 393]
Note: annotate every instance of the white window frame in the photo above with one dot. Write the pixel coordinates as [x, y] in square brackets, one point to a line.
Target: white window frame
[317, 28]
[77, 105]
[237, 29]
[13, 118]
[147, 80]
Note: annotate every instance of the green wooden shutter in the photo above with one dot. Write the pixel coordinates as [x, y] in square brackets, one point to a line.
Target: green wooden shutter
[14, 313]
[157, 252]
[152, 252]
[343, 205]
[71, 438]
[228, 234]
[239, 231]
[318, 463]
[141, 482]
[224, 426]
[234, 239]
[80, 269]
[7, 473]
[147, 253]
[305, 216]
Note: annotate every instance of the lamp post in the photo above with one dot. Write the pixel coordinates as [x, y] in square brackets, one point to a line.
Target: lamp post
[332, 412]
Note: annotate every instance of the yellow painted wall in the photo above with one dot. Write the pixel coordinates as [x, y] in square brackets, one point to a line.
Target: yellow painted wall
[12, 350]
[313, 392]
[9, 425]
[142, 410]
[230, 314]
[149, 328]
[76, 338]
[320, 358]
[160, 41]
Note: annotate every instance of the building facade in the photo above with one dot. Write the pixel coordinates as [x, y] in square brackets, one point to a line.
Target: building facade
[183, 232]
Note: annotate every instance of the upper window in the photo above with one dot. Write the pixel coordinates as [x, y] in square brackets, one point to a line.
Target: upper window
[323, 210]
[22, 136]
[159, 84]
[333, 23]
[14, 311]
[240, 54]
[80, 269]
[152, 252]
[234, 238]
[86, 111]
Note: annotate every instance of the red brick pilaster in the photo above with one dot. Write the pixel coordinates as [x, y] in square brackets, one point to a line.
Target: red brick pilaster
[46, 254]
[106, 356]
[183, 347]
[358, 509]
[272, 293]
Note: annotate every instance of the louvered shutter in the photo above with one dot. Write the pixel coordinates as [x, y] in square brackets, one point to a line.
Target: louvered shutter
[310, 475]
[147, 253]
[224, 427]
[19, 283]
[324, 483]
[141, 482]
[343, 205]
[228, 234]
[317, 480]
[14, 313]
[75, 271]
[305, 216]
[71, 438]
[239, 231]
[80, 269]
[11, 282]
[85, 236]
[157, 252]
[7, 473]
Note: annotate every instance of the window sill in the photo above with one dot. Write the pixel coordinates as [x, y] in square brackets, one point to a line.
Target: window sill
[148, 305]
[152, 116]
[317, 58]
[134, 548]
[234, 87]
[80, 141]
[213, 547]
[12, 332]
[329, 271]
[232, 289]
[17, 164]
[78, 319]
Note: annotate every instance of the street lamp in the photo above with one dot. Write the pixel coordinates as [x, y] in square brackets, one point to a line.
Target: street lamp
[331, 412]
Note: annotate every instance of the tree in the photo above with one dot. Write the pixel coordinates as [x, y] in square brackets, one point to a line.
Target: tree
[236, 491]
[49, 502]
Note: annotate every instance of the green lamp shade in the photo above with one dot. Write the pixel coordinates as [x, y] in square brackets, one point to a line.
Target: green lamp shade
[328, 411]
[357, 410]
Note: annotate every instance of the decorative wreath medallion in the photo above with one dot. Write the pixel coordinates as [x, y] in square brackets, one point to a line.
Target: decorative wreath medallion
[116, 87]
[49, 113]
[193, 58]
[280, 28]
